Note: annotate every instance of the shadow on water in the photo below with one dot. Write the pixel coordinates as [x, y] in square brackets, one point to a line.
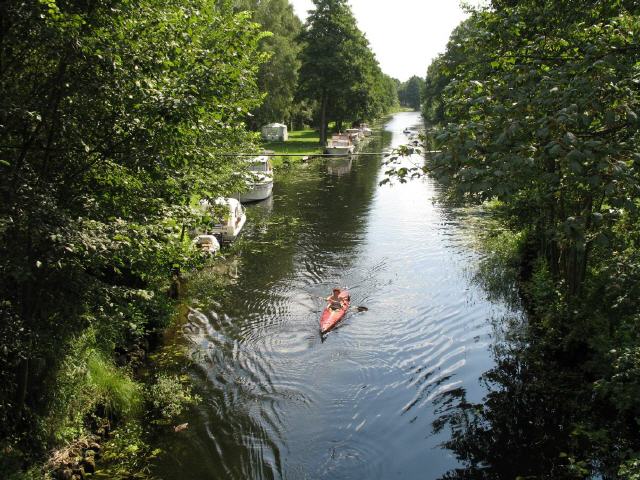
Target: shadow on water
[265, 319]
[539, 418]
[384, 391]
[525, 427]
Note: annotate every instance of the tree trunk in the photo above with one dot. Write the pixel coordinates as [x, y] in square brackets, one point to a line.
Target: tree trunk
[22, 385]
[323, 120]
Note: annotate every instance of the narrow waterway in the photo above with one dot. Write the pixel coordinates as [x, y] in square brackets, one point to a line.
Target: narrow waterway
[279, 401]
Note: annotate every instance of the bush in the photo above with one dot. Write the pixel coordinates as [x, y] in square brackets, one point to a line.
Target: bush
[169, 396]
[498, 270]
[541, 290]
[630, 470]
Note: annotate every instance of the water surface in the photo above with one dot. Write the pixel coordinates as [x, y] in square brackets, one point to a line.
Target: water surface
[279, 401]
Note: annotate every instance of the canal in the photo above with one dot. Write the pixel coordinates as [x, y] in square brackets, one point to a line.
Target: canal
[279, 401]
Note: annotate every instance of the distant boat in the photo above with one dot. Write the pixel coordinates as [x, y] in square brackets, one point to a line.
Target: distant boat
[340, 145]
[355, 134]
[259, 180]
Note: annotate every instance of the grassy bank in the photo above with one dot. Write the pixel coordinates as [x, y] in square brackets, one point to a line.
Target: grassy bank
[104, 413]
[303, 142]
[307, 142]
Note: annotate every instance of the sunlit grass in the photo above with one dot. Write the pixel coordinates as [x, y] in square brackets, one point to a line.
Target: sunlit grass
[88, 381]
[303, 142]
[120, 394]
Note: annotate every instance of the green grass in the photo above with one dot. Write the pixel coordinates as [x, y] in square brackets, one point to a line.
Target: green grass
[119, 393]
[303, 142]
[85, 380]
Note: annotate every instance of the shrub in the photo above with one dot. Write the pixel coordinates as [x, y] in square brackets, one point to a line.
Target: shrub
[630, 470]
[169, 396]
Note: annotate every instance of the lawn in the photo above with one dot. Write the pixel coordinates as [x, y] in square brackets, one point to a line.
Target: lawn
[303, 142]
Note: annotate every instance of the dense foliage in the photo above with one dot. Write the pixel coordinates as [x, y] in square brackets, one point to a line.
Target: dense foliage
[339, 71]
[410, 93]
[111, 114]
[278, 76]
[534, 106]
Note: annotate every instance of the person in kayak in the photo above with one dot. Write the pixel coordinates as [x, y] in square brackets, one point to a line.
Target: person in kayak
[334, 300]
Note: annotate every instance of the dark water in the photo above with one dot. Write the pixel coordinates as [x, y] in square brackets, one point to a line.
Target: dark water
[278, 401]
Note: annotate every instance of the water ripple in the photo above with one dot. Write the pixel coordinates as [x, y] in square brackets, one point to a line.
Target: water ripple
[283, 402]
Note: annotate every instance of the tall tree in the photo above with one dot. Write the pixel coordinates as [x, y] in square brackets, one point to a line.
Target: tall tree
[338, 68]
[278, 76]
[410, 93]
[389, 92]
[530, 127]
[111, 114]
[432, 105]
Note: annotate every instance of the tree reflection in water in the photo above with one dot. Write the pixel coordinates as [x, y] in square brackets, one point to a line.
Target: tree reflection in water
[526, 426]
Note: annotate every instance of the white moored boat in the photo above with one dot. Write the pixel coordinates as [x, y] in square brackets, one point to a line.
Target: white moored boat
[207, 244]
[340, 145]
[228, 217]
[259, 180]
[355, 134]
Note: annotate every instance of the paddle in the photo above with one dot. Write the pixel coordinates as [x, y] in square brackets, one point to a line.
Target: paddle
[358, 308]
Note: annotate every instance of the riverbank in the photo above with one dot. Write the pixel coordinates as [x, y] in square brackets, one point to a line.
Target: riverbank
[105, 413]
[100, 158]
[566, 176]
[307, 142]
[571, 361]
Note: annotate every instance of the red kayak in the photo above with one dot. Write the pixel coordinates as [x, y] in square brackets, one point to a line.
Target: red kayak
[330, 317]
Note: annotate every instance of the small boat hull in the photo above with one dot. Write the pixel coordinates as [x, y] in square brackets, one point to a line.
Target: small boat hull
[339, 151]
[258, 192]
[207, 244]
[233, 229]
[330, 318]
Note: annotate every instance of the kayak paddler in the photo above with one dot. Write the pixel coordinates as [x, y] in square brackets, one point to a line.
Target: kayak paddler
[334, 300]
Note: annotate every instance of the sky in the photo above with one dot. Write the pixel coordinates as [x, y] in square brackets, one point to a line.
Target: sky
[405, 35]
